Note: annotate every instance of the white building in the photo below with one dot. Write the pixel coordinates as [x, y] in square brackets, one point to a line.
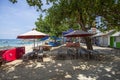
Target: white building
[103, 39]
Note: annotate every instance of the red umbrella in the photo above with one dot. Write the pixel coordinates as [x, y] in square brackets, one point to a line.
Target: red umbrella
[78, 33]
[32, 35]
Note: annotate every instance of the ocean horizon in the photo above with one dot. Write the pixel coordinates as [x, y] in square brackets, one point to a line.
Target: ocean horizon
[15, 42]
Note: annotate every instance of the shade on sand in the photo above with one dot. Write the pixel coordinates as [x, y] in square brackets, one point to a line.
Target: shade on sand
[78, 33]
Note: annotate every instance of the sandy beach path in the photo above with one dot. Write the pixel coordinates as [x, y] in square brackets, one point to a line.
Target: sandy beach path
[76, 69]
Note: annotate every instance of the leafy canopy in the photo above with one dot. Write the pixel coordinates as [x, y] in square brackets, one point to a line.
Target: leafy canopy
[67, 11]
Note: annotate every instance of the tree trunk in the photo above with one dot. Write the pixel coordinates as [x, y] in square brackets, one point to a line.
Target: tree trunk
[88, 43]
[87, 39]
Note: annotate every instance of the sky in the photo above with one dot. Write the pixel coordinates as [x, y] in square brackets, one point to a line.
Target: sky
[16, 18]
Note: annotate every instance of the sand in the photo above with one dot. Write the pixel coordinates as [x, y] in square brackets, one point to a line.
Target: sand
[69, 69]
[28, 48]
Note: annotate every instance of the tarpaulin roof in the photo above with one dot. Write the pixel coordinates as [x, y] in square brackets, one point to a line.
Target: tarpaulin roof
[78, 33]
[68, 31]
[44, 38]
[55, 38]
[116, 34]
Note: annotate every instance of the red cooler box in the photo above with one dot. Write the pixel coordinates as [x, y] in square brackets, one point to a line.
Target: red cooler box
[12, 54]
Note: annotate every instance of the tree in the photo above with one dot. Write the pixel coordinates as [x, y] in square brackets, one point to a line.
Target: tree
[53, 23]
[108, 9]
[43, 25]
[82, 12]
[73, 12]
[110, 17]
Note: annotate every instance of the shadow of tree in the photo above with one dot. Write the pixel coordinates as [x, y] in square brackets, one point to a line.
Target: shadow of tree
[80, 69]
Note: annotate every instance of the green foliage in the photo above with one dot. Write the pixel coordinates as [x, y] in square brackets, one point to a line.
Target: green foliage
[110, 14]
[42, 25]
[82, 12]
[76, 14]
[72, 12]
[35, 3]
[79, 13]
[45, 25]
[13, 1]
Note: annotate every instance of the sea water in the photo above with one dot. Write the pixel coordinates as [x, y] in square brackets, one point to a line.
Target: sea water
[14, 42]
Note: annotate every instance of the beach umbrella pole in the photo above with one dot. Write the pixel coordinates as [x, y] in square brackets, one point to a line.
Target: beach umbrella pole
[34, 43]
